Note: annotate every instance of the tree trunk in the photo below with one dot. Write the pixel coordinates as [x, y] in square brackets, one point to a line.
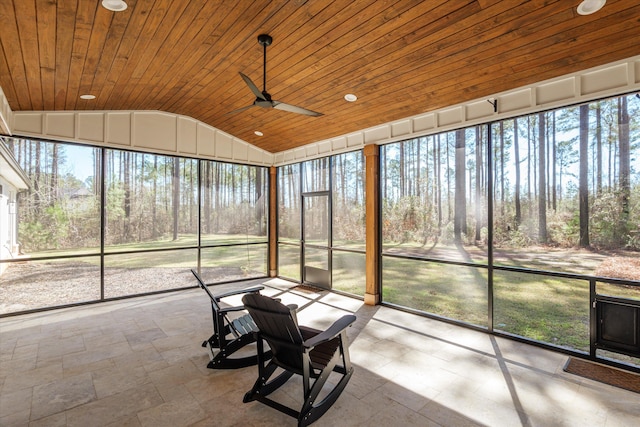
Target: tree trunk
[126, 170]
[516, 149]
[625, 165]
[176, 197]
[54, 174]
[479, 165]
[542, 185]
[583, 185]
[598, 148]
[553, 166]
[460, 210]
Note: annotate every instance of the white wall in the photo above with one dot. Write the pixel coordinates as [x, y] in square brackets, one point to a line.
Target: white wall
[8, 222]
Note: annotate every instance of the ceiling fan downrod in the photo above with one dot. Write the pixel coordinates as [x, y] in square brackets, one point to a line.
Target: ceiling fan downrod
[265, 40]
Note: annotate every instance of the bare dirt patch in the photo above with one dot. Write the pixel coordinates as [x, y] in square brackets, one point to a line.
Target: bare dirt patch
[620, 267]
[33, 285]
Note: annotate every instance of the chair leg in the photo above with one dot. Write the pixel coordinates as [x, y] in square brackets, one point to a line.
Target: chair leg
[312, 410]
[262, 387]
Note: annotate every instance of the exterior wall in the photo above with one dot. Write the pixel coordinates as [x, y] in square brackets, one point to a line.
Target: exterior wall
[8, 221]
[6, 115]
[12, 181]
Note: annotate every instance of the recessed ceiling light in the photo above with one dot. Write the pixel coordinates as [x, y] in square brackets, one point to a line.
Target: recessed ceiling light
[87, 96]
[258, 133]
[114, 5]
[350, 97]
[587, 7]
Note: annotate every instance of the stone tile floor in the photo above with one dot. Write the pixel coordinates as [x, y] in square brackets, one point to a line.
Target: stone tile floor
[139, 362]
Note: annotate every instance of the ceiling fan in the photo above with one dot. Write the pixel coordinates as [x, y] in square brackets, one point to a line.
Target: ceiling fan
[263, 99]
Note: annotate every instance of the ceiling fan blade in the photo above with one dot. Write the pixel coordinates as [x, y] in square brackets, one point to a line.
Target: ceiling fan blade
[240, 109]
[253, 87]
[293, 109]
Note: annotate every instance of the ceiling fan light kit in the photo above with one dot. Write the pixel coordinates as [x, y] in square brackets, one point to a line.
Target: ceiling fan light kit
[263, 98]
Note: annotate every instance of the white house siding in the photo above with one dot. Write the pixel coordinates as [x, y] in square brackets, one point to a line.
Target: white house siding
[12, 181]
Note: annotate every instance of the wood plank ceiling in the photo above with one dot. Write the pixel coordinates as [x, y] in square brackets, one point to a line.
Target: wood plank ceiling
[400, 58]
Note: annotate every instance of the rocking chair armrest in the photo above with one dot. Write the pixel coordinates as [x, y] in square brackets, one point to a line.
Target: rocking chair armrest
[331, 332]
[231, 309]
[239, 292]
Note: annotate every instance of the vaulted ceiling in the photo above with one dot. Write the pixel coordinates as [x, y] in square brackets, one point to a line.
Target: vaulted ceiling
[400, 58]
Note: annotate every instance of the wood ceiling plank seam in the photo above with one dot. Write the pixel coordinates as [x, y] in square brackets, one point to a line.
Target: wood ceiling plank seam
[426, 11]
[127, 58]
[250, 63]
[585, 30]
[195, 40]
[325, 26]
[595, 38]
[85, 15]
[553, 45]
[231, 98]
[46, 13]
[555, 29]
[8, 88]
[280, 39]
[389, 53]
[418, 53]
[367, 62]
[303, 68]
[46, 19]
[141, 36]
[193, 103]
[171, 52]
[403, 82]
[26, 39]
[619, 49]
[175, 99]
[65, 19]
[224, 98]
[99, 27]
[198, 66]
[496, 85]
[18, 80]
[109, 50]
[161, 20]
[487, 3]
[415, 66]
[403, 113]
[374, 29]
[471, 56]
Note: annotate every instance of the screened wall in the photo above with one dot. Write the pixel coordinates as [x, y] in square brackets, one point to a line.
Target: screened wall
[321, 222]
[99, 223]
[513, 226]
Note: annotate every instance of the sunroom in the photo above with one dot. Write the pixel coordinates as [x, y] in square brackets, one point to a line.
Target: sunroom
[472, 177]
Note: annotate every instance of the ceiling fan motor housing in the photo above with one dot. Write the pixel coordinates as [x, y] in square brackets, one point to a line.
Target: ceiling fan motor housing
[265, 39]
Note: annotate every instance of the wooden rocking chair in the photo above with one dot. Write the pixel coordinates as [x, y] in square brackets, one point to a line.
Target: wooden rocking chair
[229, 335]
[308, 352]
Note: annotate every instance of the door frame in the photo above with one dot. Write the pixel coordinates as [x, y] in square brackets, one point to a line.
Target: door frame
[319, 278]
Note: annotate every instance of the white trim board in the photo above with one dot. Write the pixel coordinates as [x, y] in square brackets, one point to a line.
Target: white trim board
[166, 133]
[599, 82]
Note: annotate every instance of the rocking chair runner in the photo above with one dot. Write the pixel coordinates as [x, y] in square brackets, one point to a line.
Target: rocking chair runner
[308, 352]
[229, 335]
